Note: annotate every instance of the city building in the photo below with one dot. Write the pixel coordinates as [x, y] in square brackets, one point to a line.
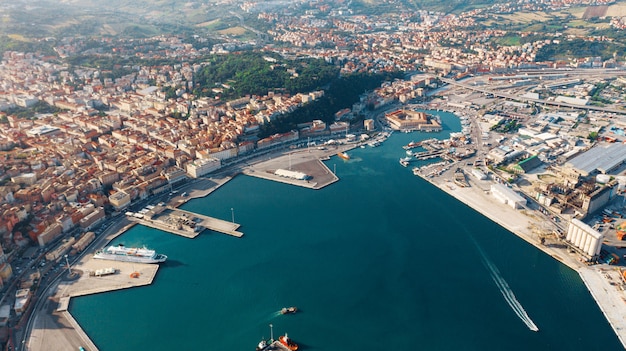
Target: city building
[412, 120]
[22, 298]
[119, 200]
[201, 167]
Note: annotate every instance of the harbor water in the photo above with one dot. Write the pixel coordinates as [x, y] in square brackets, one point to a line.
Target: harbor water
[379, 260]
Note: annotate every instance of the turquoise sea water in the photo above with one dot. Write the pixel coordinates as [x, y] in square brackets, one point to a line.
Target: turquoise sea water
[379, 260]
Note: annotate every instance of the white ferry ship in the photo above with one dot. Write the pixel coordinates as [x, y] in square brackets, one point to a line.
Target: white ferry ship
[130, 254]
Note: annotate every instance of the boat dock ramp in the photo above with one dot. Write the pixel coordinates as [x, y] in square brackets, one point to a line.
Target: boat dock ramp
[181, 222]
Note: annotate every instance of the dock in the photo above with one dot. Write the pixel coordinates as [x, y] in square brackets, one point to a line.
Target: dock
[277, 345]
[214, 224]
[309, 163]
[54, 328]
[184, 223]
[425, 155]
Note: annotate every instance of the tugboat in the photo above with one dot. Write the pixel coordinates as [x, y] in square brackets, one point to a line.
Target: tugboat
[288, 310]
[288, 343]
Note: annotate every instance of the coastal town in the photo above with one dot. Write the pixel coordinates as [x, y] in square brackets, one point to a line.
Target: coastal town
[541, 151]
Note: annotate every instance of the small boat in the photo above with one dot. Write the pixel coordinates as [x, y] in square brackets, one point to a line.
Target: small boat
[288, 343]
[288, 310]
[343, 155]
[411, 145]
[263, 345]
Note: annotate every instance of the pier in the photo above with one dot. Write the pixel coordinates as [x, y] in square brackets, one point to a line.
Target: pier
[181, 222]
[307, 162]
[424, 155]
[277, 345]
[214, 224]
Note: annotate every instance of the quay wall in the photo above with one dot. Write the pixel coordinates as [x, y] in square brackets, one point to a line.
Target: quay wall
[608, 299]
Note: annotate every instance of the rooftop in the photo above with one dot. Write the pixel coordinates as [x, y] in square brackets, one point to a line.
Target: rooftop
[602, 158]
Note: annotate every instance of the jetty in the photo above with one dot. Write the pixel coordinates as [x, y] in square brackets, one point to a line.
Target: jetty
[180, 222]
[214, 224]
[425, 155]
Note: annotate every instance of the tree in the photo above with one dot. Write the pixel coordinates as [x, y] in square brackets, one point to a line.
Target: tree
[342, 93]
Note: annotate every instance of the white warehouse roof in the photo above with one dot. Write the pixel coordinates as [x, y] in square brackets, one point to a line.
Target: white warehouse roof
[291, 174]
[603, 158]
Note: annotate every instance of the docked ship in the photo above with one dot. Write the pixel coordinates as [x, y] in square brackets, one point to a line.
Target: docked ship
[130, 254]
[284, 339]
[343, 155]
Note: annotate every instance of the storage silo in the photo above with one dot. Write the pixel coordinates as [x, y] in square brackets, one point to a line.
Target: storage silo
[584, 237]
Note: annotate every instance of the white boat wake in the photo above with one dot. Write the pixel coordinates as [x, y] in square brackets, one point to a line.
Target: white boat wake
[506, 291]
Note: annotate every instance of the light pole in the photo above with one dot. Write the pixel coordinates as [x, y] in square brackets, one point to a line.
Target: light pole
[271, 333]
[69, 270]
[232, 214]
